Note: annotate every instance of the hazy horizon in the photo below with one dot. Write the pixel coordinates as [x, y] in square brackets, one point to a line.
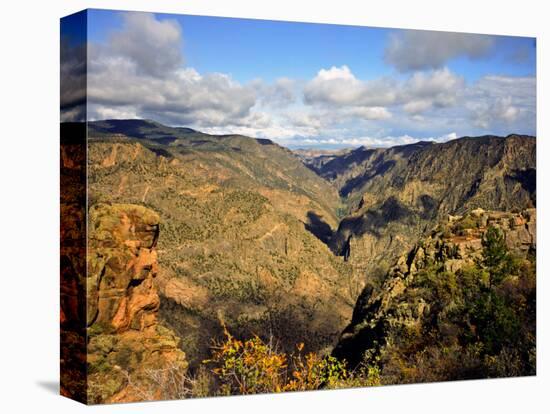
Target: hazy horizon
[325, 145]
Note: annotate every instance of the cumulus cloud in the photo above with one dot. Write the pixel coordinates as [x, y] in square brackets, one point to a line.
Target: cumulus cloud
[373, 142]
[339, 87]
[139, 71]
[303, 120]
[440, 88]
[501, 109]
[497, 102]
[182, 97]
[104, 112]
[152, 45]
[370, 113]
[410, 50]
[279, 94]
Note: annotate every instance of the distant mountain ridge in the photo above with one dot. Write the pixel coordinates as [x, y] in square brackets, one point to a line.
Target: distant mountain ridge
[389, 196]
[395, 194]
[153, 131]
[349, 170]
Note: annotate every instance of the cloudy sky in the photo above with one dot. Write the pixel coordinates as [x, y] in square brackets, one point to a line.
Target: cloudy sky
[308, 85]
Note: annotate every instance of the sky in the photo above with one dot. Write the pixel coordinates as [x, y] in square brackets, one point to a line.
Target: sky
[307, 85]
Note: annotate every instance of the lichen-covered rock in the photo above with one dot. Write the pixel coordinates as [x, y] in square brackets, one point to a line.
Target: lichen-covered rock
[125, 340]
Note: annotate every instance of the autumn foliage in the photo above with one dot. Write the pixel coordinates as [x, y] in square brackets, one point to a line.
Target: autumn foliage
[253, 366]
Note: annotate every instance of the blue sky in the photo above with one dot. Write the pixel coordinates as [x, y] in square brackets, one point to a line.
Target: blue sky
[309, 85]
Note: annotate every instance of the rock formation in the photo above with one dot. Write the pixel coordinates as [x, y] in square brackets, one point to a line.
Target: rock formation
[126, 343]
[400, 304]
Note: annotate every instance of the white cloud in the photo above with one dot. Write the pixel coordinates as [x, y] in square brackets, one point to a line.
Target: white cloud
[500, 102]
[152, 45]
[410, 50]
[486, 114]
[126, 79]
[424, 90]
[303, 119]
[339, 86]
[182, 97]
[522, 88]
[139, 71]
[279, 94]
[73, 88]
[370, 113]
[103, 112]
[282, 134]
[417, 106]
[334, 73]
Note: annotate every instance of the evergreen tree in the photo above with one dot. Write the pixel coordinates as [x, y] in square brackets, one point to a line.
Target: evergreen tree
[495, 256]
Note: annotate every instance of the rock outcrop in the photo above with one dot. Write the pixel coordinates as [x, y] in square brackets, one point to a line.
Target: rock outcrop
[400, 303]
[398, 193]
[459, 241]
[126, 343]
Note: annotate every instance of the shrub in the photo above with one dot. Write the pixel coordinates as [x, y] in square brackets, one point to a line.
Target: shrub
[468, 222]
[313, 372]
[253, 366]
[247, 367]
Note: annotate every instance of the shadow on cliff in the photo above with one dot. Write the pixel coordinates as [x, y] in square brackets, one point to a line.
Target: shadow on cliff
[318, 227]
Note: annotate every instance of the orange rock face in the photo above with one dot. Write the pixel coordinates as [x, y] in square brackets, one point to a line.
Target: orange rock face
[125, 341]
[121, 267]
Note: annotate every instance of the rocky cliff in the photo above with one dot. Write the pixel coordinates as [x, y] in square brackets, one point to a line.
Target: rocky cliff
[127, 347]
[430, 303]
[396, 194]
